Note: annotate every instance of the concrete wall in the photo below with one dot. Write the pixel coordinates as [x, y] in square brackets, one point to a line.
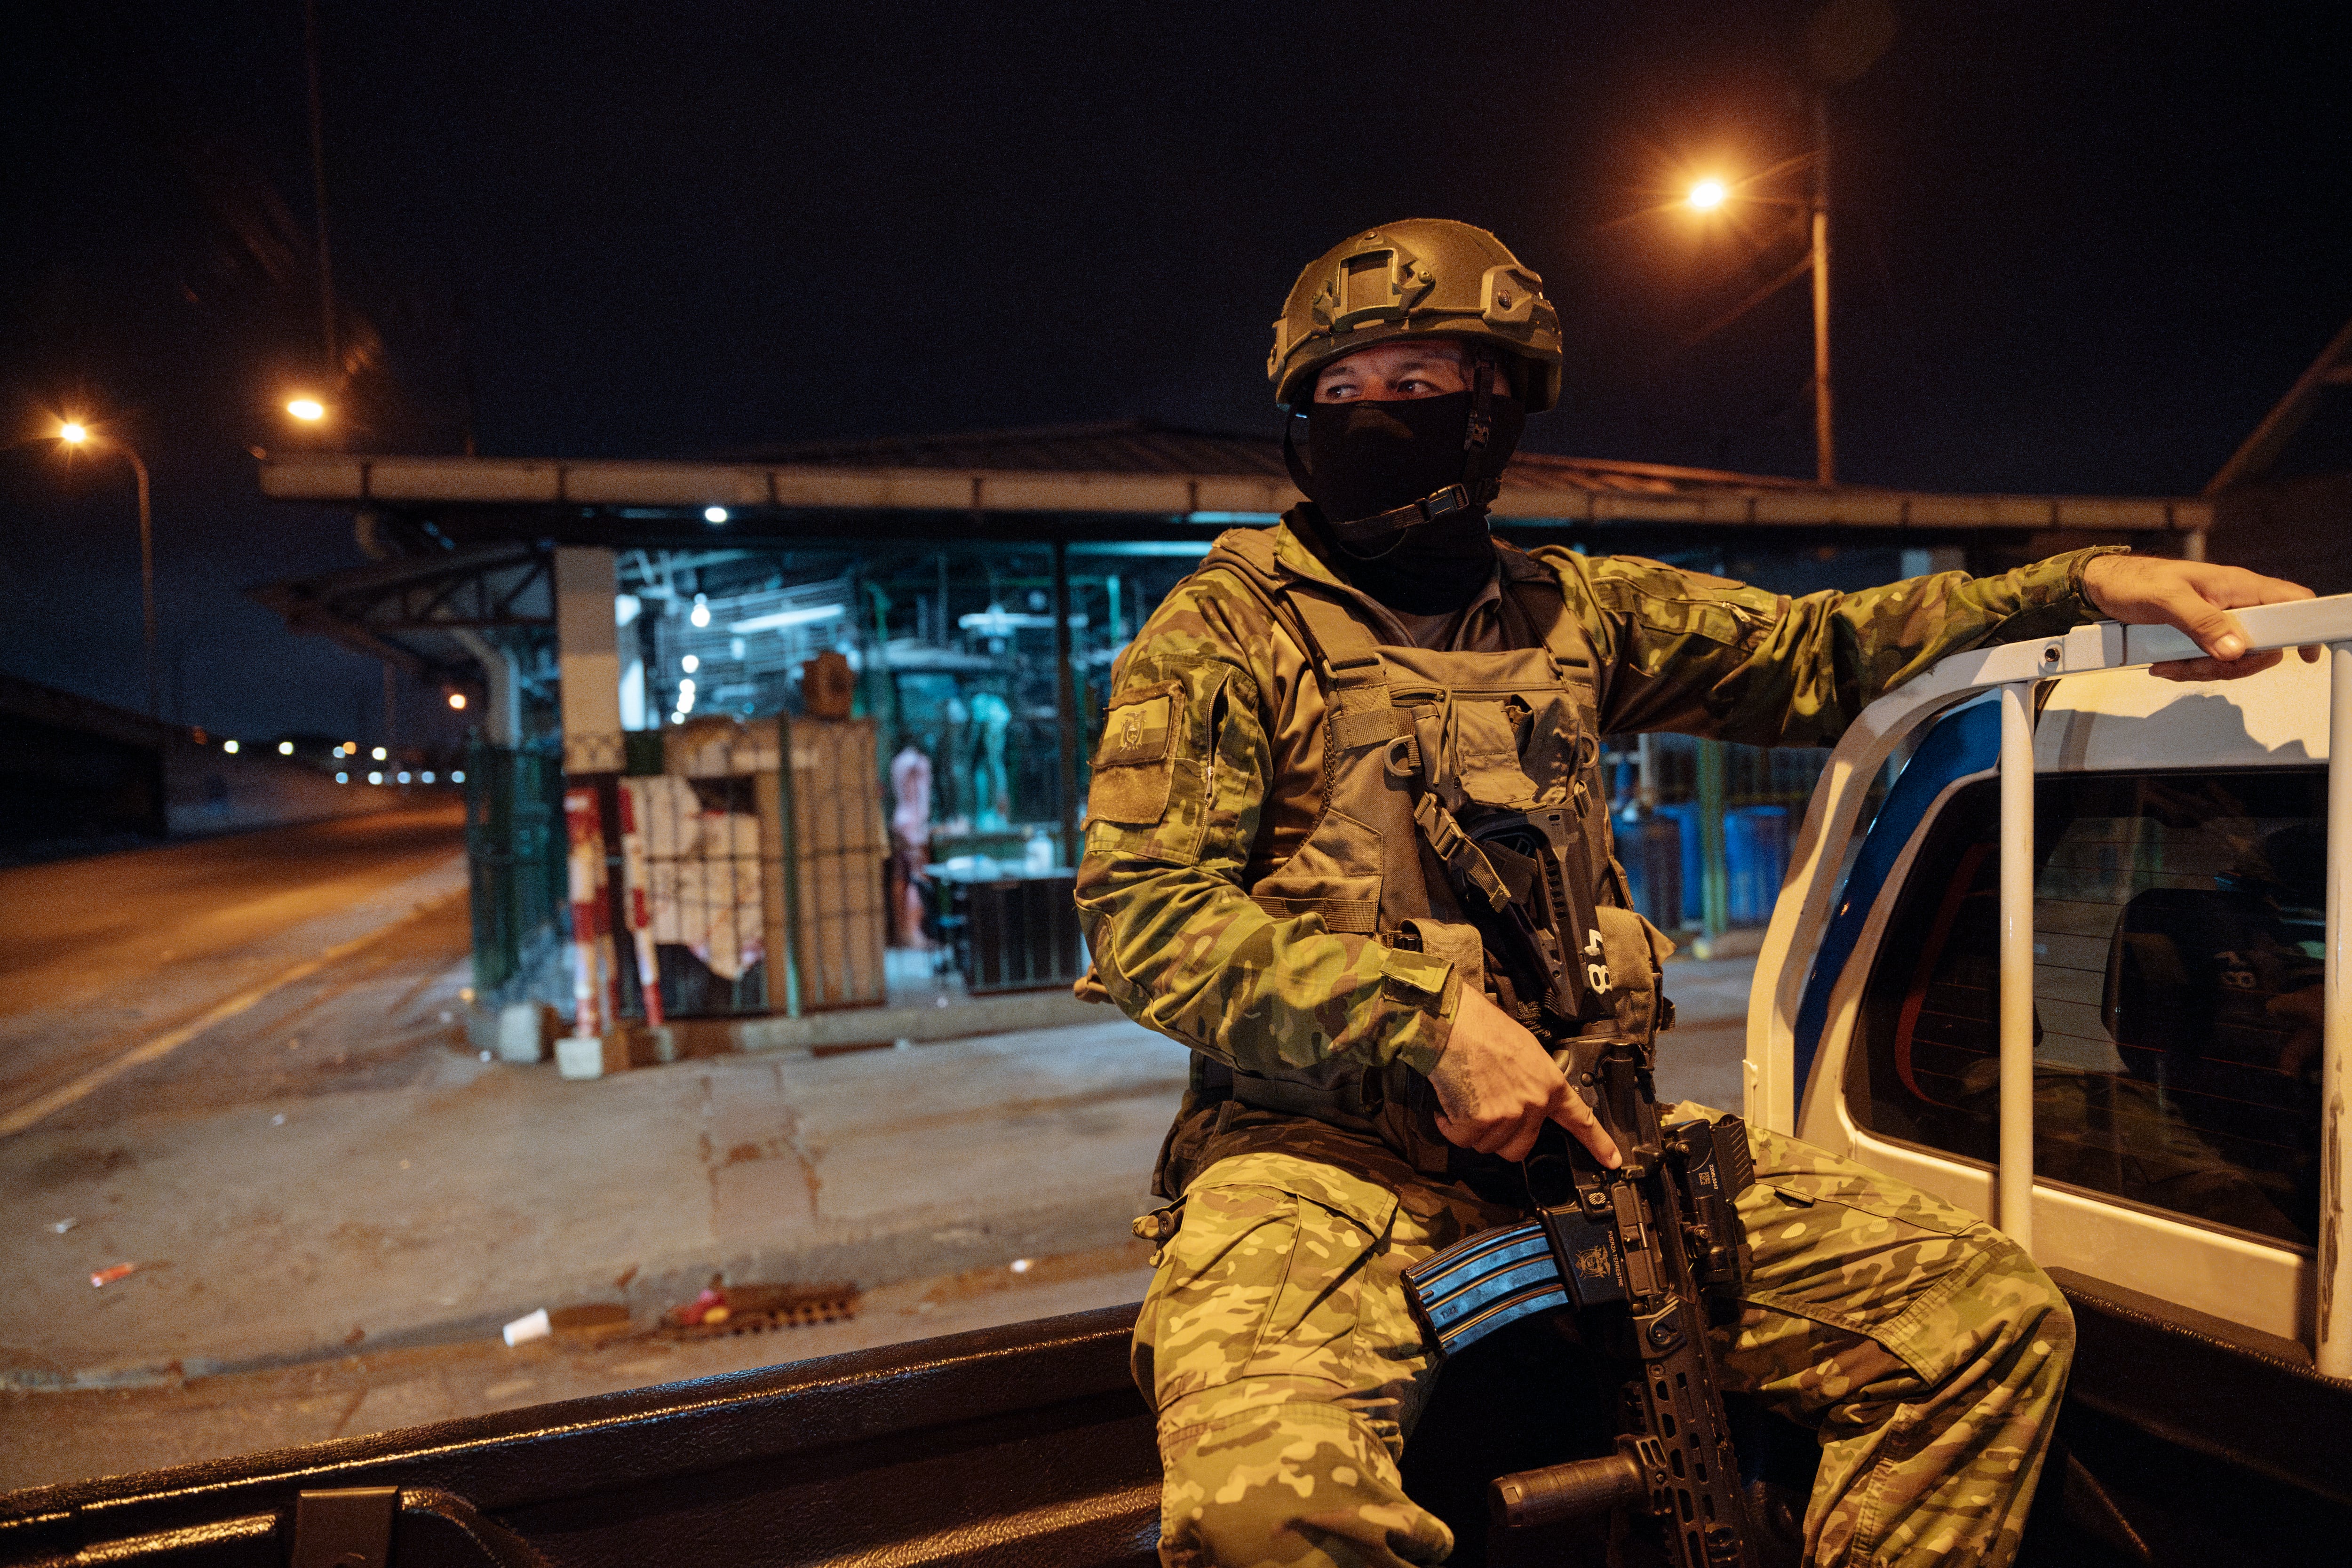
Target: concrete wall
[79, 776]
[207, 790]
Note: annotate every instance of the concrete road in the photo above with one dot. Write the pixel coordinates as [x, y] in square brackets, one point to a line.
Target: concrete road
[104, 956]
[334, 1200]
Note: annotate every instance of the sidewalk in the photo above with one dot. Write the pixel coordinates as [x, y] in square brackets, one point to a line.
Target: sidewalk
[403, 1192]
[343, 1175]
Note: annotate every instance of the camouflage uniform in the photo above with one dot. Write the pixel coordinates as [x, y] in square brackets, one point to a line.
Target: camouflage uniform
[1276, 1344]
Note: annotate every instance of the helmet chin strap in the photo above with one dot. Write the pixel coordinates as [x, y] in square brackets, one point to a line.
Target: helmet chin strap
[1476, 488]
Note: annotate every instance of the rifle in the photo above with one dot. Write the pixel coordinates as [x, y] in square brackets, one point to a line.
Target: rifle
[1646, 1255]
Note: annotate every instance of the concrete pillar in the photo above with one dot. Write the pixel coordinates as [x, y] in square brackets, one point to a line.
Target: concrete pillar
[502, 688]
[588, 646]
[1065, 704]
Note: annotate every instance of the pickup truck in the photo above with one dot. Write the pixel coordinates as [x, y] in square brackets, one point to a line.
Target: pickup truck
[2081, 970]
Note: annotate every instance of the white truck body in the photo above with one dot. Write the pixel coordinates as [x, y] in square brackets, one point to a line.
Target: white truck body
[1836, 941]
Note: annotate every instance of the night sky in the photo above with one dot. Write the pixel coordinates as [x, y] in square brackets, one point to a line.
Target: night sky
[2079, 248]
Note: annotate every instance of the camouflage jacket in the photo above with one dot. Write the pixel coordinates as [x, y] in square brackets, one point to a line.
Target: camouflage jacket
[1223, 781]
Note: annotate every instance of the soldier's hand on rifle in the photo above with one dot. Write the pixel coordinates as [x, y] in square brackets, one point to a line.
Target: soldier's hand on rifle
[1496, 1087]
[2194, 597]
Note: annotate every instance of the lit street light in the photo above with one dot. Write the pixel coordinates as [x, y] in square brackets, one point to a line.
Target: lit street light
[1711, 195]
[76, 434]
[457, 701]
[309, 410]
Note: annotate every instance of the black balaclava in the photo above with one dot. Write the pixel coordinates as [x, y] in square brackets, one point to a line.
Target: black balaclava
[1369, 460]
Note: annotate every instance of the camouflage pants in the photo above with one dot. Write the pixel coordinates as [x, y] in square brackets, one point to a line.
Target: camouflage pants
[1923, 1347]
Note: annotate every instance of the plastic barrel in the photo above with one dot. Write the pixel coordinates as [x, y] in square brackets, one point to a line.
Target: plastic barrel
[1651, 848]
[1684, 814]
[1756, 858]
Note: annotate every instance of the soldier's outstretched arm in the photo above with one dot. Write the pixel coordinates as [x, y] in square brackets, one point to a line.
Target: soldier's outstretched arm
[1180, 779]
[1686, 651]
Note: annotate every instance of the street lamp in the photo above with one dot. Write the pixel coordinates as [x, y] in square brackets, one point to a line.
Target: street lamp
[308, 410]
[1711, 193]
[76, 434]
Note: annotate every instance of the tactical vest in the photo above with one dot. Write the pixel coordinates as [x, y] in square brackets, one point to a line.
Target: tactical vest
[1415, 743]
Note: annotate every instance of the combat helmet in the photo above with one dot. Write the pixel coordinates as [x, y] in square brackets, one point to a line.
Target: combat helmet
[1421, 276]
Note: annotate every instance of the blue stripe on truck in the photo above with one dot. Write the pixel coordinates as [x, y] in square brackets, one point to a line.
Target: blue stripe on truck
[1965, 743]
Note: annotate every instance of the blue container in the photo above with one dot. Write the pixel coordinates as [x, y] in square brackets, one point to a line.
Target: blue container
[1650, 849]
[1756, 859]
[1683, 904]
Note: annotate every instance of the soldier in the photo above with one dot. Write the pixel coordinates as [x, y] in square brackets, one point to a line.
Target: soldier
[1272, 857]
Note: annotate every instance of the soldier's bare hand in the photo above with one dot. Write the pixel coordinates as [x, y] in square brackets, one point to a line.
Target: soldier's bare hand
[1496, 1087]
[2196, 597]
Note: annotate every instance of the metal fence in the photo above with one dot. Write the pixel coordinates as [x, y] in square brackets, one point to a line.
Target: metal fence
[515, 868]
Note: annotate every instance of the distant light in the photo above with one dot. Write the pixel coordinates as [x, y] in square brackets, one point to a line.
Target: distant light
[678, 718]
[457, 701]
[700, 613]
[381, 753]
[229, 746]
[689, 664]
[1708, 194]
[428, 775]
[308, 409]
[783, 618]
[375, 778]
[686, 699]
[350, 748]
[687, 684]
[1181, 549]
[457, 775]
[714, 514]
[400, 778]
[342, 778]
[73, 434]
[285, 748]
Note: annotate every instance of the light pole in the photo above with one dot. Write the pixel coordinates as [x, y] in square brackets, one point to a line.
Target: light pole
[76, 434]
[1711, 193]
[1824, 441]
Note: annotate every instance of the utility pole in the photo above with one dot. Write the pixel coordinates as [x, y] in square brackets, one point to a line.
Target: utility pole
[1824, 438]
[319, 199]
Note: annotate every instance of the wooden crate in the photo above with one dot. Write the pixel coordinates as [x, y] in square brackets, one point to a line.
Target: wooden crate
[829, 913]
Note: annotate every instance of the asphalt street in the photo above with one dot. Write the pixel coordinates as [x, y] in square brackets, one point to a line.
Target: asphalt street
[102, 957]
[332, 1202]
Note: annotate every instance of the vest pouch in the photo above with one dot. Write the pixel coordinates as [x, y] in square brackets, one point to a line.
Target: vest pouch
[1335, 874]
[1342, 1093]
[1633, 952]
[1483, 748]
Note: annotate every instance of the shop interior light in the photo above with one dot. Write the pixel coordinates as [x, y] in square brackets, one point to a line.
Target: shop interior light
[783, 618]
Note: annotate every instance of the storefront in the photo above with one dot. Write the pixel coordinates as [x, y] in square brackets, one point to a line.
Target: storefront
[616, 620]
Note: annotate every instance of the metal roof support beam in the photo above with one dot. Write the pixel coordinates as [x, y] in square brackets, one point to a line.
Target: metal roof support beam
[1530, 492]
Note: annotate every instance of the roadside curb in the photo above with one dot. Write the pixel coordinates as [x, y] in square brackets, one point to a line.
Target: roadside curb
[852, 1028]
[915, 1247]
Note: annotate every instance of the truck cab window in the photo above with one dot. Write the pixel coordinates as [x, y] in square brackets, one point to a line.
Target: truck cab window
[2178, 920]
